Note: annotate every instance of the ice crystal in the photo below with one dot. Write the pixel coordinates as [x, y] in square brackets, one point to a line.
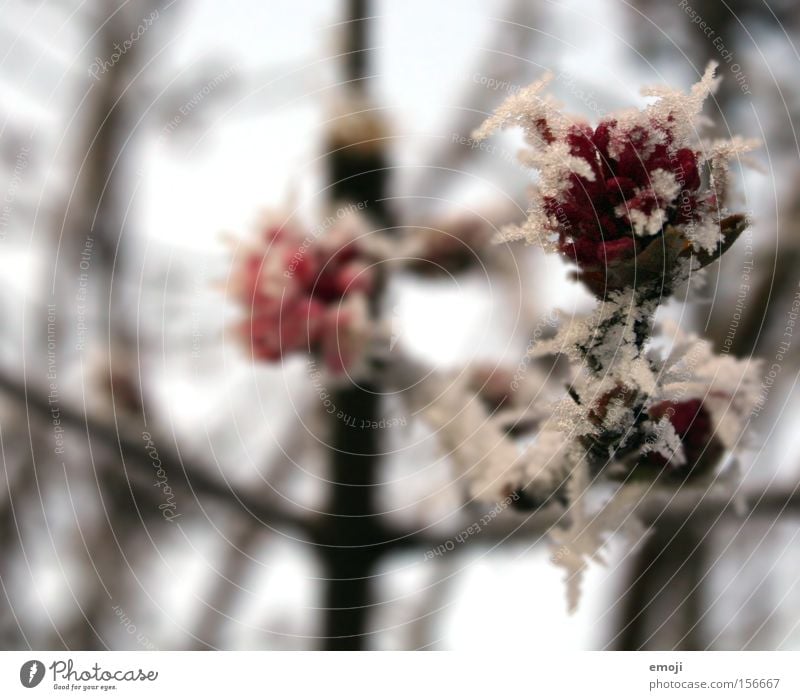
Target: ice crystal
[606, 194]
[638, 204]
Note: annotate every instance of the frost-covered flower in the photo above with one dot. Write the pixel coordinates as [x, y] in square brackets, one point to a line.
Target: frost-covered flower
[304, 293]
[608, 195]
[637, 202]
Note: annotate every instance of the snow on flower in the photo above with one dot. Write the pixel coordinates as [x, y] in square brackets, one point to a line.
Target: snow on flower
[607, 194]
[637, 203]
[304, 294]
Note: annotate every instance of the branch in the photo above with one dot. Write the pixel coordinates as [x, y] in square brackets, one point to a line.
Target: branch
[196, 478]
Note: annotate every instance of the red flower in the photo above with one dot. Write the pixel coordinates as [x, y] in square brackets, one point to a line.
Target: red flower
[301, 296]
[624, 200]
[629, 196]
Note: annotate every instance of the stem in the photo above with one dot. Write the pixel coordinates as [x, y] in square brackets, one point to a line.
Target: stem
[352, 534]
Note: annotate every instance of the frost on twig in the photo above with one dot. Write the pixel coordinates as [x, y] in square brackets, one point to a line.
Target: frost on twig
[637, 203]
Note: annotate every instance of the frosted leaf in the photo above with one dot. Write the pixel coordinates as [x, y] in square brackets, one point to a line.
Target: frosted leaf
[728, 387]
[705, 236]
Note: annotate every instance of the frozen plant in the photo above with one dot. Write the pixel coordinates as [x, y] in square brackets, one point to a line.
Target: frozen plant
[637, 203]
[304, 293]
[635, 195]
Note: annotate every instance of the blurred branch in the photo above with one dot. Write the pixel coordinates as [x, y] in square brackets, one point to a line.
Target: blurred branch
[197, 478]
[354, 534]
[222, 599]
[131, 448]
[663, 603]
[12, 635]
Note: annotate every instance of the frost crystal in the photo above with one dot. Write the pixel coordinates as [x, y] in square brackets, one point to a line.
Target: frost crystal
[637, 203]
[607, 194]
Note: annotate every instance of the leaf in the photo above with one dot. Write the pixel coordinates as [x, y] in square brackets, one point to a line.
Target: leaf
[656, 259]
[731, 228]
